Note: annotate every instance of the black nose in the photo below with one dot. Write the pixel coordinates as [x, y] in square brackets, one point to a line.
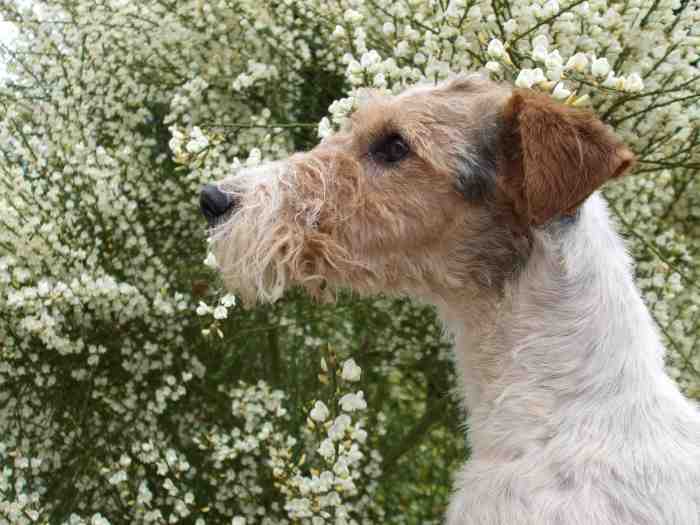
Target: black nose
[214, 203]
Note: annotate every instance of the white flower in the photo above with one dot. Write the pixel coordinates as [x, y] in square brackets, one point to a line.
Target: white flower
[379, 80]
[496, 49]
[359, 434]
[175, 142]
[324, 128]
[370, 59]
[584, 8]
[352, 402]
[196, 146]
[634, 83]
[510, 26]
[254, 157]
[351, 371]
[553, 60]
[600, 67]
[540, 53]
[538, 75]
[98, 519]
[145, 495]
[220, 312]
[169, 486]
[578, 62]
[319, 412]
[341, 468]
[327, 449]
[337, 429]
[401, 49]
[555, 74]
[493, 67]
[238, 520]
[540, 41]
[614, 82]
[338, 32]
[203, 308]
[353, 16]
[43, 288]
[560, 92]
[550, 8]
[197, 142]
[228, 300]
[354, 68]
[117, 477]
[210, 261]
[529, 77]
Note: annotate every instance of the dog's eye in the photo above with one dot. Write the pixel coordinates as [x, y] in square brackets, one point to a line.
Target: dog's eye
[391, 149]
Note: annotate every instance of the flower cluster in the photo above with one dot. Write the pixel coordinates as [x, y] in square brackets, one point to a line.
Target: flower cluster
[333, 481]
[320, 472]
[129, 381]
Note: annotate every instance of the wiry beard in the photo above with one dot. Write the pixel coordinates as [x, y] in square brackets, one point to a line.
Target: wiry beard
[272, 239]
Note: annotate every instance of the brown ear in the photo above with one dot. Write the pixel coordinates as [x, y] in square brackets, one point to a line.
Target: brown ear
[555, 156]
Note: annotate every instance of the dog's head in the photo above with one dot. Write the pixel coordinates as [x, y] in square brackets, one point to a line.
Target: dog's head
[433, 190]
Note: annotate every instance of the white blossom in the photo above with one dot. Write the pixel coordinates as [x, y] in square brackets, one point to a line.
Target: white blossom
[220, 312]
[496, 49]
[319, 412]
[614, 82]
[634, 83]
[339, 426]
[353, 16]
[327, 449]
[492, 66]
[351, 402]
[324, 128]
[560, 92]
[578, 62]
[210, 261]
[228, 300]
[510, 26]
[529, 77]
[203, 308]
[600, 67]
[351, 371]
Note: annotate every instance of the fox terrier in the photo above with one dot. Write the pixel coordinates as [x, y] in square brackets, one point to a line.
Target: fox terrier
[481, 200]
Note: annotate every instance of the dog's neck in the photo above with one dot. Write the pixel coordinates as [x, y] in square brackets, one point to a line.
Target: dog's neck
[570, 341]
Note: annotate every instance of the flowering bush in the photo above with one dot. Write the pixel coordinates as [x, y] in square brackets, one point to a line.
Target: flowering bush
[132, 389]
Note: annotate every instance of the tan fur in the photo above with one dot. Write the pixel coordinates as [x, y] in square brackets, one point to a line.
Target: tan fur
[557, 156]
[335, 217]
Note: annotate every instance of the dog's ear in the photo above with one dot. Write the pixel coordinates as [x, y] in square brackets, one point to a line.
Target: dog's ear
[554, 156]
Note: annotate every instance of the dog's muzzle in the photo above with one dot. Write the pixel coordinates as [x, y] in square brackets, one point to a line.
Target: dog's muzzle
[215, 203]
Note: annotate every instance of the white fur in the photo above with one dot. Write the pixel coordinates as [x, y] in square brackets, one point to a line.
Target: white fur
[249, 253]
[573, 420]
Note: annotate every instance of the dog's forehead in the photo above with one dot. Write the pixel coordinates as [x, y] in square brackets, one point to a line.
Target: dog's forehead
[465, 85]
[420, 106]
